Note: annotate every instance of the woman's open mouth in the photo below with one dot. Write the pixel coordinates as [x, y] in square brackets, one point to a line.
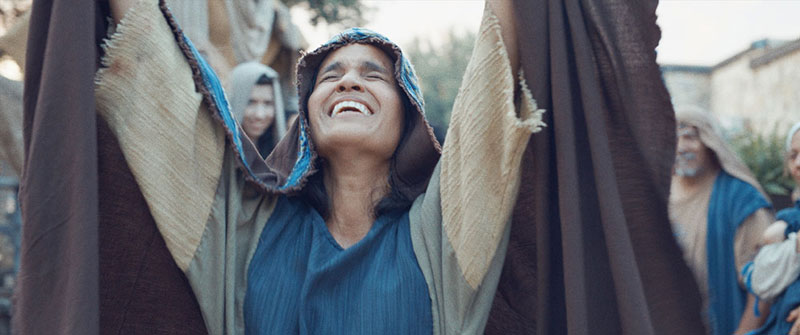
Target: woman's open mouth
[346, 107]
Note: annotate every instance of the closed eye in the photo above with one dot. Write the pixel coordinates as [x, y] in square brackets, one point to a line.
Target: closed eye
[329, 77]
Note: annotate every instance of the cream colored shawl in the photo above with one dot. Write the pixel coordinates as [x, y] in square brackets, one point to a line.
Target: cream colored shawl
[251, 27]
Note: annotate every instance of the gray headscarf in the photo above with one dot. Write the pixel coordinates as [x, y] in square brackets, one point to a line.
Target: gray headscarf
[789, 136]
[243, 78]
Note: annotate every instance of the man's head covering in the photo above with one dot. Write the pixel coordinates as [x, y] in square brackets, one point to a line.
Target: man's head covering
[243, 79]
[789, 136]
[710, 135]
[294, 159]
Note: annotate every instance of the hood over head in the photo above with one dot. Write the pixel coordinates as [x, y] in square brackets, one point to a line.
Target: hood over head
[242, 80]
[711, 136]
[294, 158]
[790, 135]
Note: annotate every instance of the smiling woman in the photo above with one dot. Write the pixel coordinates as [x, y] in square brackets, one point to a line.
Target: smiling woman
[257, 105]
[353, 224]
[357, 119]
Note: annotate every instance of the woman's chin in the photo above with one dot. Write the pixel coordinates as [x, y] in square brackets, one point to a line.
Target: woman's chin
[355, 141]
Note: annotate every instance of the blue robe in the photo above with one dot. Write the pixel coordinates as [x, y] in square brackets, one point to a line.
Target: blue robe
[732, 201]
[790, 299]
[300, 281]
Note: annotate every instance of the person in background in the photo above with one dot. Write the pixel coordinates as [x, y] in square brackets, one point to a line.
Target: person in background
[256, 103]
[773, 274]
[718, 213]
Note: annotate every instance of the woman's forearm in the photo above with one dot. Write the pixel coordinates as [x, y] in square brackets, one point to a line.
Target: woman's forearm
[749, 320]
[120, 7]
[505, 15]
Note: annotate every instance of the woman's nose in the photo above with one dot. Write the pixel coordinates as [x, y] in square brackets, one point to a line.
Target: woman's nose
[350, 82]
[260, 111]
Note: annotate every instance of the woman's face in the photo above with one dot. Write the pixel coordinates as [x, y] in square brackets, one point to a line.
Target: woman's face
[259, 112]
[356, 103]
[793, 161]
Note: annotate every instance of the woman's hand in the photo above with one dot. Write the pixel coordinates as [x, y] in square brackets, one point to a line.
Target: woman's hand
[120, 7]
[505, 14]
[793, 317]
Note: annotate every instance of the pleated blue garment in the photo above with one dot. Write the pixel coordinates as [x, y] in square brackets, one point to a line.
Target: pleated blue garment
[300, 281]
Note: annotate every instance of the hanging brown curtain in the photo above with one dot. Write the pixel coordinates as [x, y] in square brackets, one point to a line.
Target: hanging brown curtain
[92, 260]
[591, 249]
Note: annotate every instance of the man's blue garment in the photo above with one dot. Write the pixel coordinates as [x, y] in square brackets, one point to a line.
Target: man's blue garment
[732, 201]
[300, 281]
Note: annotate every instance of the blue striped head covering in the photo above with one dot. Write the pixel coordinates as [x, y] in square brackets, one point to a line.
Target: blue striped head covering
[295, 157]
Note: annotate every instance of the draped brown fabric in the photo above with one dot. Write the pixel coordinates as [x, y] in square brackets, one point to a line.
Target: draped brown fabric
[142, 290]
[57, 284]
[92, 260]
[591, 249]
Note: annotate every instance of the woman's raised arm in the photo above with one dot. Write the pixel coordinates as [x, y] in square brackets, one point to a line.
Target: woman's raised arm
[146, 92]
[503, 10]
[461, 224]
[119, 8]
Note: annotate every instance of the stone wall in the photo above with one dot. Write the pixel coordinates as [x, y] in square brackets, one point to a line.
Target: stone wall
[688, 85]
[759, 89]
[756, 90]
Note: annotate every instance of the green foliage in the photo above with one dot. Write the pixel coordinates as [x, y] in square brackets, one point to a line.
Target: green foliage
[764, 156]
[347, 12]
[440, 69]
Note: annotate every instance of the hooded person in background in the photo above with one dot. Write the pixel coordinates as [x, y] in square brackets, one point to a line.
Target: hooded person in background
[718, 213]
[257, 104]
[773, 274]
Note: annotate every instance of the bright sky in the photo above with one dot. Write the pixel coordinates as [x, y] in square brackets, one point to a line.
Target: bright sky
[695, 32]
[402, 20]
[705, 32]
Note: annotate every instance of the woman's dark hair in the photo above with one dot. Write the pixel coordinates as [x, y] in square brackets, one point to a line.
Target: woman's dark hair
[314, 192]
[264, 80]
[266, 142]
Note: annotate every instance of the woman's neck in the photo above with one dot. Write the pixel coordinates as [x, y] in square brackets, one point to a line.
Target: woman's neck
[354, 186]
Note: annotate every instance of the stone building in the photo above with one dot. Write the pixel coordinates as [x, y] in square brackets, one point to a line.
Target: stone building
[757, 89]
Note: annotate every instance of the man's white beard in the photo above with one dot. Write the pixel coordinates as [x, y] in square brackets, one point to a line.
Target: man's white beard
[683, 165]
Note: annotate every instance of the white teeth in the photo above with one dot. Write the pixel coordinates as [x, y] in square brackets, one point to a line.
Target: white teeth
[350, 105]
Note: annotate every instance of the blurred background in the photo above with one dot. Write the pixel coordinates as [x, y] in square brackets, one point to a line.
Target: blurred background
[737, 60]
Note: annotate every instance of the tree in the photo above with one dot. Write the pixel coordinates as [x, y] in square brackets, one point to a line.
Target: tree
[764, 155]
[440, 69]
[347, 12]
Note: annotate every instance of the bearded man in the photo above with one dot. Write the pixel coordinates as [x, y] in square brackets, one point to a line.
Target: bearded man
[718, 212]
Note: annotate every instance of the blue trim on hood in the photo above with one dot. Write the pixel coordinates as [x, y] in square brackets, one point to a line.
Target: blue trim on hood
[303, 163]
[407, 81]
[212, 84]
[408, 77]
